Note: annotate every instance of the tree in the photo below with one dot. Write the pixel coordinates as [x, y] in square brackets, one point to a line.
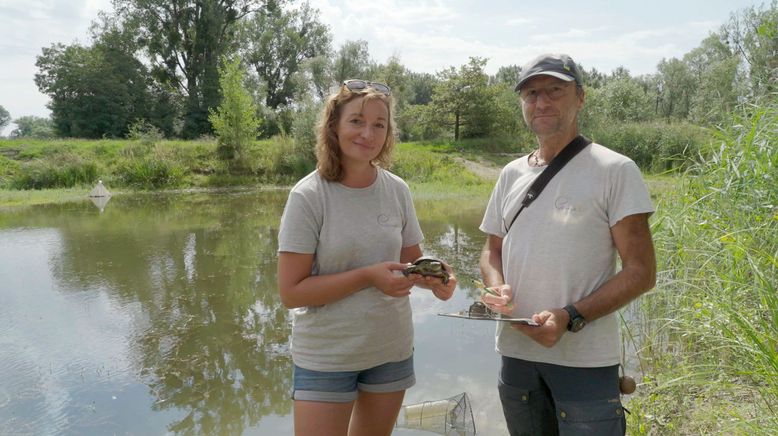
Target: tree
[753, 34]
[184, 40]
[5, 118]
[394, 74]
[234, 121]
[715, 68]
[277, 42]
[461, 100]
[30, 126]
[624, 99]
[593, 79]
[95, 91]
[422, 85]
[508, 75]
[676, 87]
[351, 61]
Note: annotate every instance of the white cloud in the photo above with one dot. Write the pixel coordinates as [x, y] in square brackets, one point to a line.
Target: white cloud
[521, 21]
[427, 35]
[404, 13]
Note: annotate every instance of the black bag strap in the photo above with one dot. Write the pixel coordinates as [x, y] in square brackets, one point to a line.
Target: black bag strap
[557, 163]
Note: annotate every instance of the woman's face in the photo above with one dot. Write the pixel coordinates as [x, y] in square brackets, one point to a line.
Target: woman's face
[362, 130]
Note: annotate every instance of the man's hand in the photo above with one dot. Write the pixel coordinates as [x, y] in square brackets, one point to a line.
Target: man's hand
[498, 298]
[552, 325]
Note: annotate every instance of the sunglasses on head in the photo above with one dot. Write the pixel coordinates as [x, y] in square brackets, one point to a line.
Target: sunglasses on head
[356, 85]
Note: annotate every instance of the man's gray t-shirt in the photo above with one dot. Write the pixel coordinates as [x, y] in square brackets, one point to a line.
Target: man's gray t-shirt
[560, 249]
[348, 228]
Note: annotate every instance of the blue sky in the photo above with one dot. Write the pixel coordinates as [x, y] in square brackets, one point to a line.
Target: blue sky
[427, 35]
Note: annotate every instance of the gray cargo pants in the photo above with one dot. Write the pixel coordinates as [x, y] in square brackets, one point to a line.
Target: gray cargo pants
[546, 399]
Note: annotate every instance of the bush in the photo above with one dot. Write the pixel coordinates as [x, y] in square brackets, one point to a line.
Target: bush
[145, 133]
[653, 146]
[8, 169]
[712, 339]
[64, 171]
[279, 160]
[304, 127]
[234, 121]
[150, 173]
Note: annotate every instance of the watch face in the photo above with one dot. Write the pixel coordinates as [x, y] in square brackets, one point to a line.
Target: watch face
[577, 324]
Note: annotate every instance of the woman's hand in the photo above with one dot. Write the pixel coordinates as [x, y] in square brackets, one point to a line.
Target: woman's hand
[443, 291]
[387, 277]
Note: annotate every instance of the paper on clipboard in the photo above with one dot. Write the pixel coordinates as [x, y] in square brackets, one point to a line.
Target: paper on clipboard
[479, 311]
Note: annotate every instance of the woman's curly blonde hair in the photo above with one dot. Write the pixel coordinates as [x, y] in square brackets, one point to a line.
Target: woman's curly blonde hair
[328, 154]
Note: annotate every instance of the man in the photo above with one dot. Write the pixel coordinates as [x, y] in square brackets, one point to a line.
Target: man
[556, 264]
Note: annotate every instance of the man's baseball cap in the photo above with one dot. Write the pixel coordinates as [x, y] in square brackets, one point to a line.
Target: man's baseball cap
[560, 66]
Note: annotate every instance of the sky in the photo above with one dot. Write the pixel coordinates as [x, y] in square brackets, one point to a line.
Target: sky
[427, 35]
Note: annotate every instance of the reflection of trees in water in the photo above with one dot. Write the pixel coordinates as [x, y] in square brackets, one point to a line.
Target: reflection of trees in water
[214, 340]
[451, 233]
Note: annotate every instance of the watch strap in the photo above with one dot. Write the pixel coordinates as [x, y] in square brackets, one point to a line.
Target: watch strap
[573, 312]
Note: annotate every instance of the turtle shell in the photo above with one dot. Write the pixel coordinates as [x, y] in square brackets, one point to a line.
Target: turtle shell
[428, 266]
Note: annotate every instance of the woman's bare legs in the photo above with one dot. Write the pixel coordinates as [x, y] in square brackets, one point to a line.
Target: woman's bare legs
[375, 414]
[314, 418]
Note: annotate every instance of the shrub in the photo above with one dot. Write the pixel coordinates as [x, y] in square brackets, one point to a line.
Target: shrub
[145, 133]
[654, 146]
[150, 173]
[234, 121]
[8, 169]
[64, 171]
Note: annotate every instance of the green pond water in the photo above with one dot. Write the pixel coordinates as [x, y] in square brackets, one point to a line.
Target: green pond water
[159, 314]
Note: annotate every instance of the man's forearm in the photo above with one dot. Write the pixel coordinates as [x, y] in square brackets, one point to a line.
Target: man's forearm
[616, 293]
[491, 264]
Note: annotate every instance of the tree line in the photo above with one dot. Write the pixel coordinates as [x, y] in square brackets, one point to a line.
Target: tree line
[157, 62]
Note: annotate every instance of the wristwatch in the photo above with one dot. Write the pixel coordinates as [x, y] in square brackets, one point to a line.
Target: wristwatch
[577, 322]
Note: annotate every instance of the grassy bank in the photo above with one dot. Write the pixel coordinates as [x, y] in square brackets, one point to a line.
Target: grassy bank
[710, 343]
[46, 171]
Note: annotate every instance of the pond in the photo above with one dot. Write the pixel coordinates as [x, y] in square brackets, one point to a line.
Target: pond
[159, 314]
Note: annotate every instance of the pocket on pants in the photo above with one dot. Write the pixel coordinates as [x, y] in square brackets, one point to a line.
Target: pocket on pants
[517, 406]
[600, 417]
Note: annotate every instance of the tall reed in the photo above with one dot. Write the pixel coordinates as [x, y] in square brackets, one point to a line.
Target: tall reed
[712, 342]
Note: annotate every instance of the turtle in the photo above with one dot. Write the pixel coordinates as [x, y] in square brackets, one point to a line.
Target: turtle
[479, 310]
[428, 266]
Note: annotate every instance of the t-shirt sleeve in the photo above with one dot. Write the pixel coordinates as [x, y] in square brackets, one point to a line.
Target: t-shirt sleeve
[492, 222]
[300, 225]
[628, 194]
[411, 231]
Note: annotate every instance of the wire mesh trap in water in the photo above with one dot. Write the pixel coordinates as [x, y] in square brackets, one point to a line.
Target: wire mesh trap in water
[451, 416]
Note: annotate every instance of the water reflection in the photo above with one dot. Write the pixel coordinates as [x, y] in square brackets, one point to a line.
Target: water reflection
[160, 314]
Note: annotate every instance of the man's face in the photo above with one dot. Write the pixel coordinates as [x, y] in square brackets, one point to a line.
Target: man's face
[550, 105]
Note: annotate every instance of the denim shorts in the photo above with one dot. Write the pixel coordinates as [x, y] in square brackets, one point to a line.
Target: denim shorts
[343, 386]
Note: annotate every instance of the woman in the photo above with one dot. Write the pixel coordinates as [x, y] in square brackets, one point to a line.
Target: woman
[348, 230]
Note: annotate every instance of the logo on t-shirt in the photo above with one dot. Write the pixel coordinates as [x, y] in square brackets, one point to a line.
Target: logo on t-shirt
[388, 220]
[563, 203]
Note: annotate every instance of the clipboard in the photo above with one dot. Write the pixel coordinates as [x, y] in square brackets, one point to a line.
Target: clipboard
[479, 311]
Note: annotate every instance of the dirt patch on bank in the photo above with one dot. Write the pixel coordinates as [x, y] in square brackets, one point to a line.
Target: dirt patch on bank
[483, 170]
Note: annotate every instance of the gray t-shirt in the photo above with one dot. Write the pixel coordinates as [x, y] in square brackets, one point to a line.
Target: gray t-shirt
[347, 228]
[560, 249]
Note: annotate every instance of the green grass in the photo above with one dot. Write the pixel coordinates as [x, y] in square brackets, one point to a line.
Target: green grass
[15, 198]
[35, 172]
[711, 343]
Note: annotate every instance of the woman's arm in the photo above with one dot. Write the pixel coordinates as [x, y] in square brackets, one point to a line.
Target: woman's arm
[299, 288]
